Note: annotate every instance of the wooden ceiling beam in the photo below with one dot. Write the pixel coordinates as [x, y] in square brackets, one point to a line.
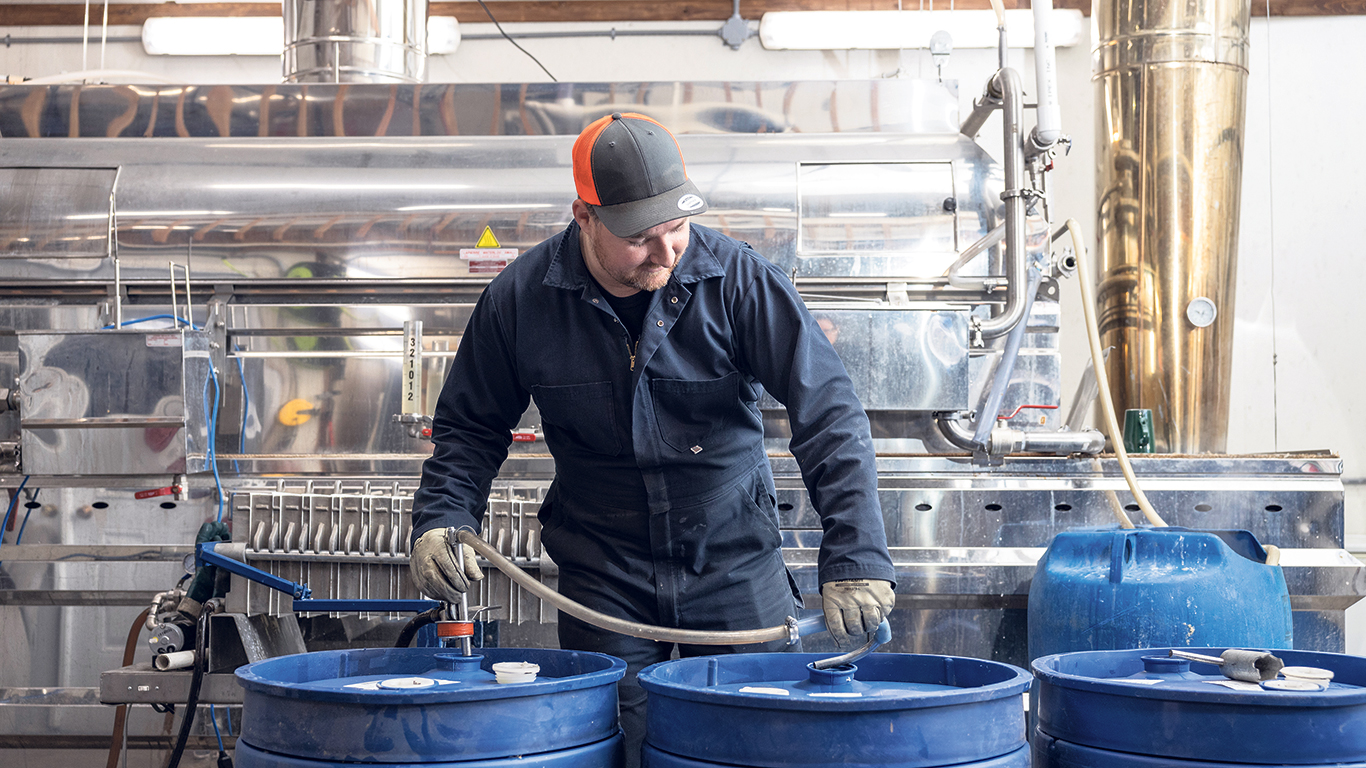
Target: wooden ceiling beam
[586, 10]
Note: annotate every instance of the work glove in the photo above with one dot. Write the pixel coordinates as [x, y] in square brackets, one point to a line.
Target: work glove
[434, 568]
[855, 607]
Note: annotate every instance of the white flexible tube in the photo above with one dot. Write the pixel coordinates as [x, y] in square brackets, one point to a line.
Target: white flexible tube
[620, 626]
[1088, 306]
[1000, 9]
[103, 75]
[1048, 129]
[176, 660]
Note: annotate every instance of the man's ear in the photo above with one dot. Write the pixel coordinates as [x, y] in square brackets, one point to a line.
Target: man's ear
[581, 212]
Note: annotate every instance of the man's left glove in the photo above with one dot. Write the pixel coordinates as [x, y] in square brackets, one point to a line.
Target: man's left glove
[855, 607]
[434, 568]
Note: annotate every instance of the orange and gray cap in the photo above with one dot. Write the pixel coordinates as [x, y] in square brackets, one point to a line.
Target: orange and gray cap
[630, 169]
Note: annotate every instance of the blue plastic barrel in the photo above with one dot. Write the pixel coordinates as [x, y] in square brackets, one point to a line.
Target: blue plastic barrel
[399, 706]
[1103, 589]
[773, 710]
[1114, 709]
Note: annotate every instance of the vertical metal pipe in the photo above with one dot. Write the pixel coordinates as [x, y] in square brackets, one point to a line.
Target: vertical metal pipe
[1171, 86]
[1012, 110]
[355, 41]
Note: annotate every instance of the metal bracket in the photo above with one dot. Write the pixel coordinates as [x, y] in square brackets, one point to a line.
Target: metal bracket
[736, 30]
[208, 556]
[418, 425]
[898, 294]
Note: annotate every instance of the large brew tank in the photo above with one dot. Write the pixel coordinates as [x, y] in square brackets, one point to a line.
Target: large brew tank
[1171, 81]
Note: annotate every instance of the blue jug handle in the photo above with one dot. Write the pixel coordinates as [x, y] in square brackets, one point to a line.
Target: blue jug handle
[1119, 544]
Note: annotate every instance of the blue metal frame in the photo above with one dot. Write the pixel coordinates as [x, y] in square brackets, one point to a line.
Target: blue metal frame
[302, 594]
[208, 556]
[377, 606]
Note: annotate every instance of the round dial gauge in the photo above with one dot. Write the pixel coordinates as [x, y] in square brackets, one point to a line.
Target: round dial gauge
[1201, 312]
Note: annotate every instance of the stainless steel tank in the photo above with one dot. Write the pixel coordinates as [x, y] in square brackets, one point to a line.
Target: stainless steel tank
[1171, 90]
[358, 41]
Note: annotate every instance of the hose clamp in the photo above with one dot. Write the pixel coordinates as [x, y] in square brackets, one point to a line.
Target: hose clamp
[1027, 193]
[792, 637]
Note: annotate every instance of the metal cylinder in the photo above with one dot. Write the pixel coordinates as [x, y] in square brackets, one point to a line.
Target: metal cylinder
[1171, 90]
[358, 41]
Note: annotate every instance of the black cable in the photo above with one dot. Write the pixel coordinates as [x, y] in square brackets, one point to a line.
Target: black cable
[405, 638]
[196, 680]
[514, 42]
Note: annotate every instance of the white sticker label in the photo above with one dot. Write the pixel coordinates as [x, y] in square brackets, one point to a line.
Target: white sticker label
[756, 689]
[163, 339]
[469, 254]
[690, 202]
[837, 695]
[1237, 685]
[1139, 681]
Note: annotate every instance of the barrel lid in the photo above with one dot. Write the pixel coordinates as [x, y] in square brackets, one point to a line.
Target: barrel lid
[424, 675]
[880, 681]
[1120, 673]
[1098, 699]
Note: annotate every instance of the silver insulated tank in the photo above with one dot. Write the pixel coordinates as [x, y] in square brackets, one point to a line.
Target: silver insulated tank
[356, 41]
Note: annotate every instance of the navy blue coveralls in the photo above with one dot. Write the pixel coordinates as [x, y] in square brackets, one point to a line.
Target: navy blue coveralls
[662, 510]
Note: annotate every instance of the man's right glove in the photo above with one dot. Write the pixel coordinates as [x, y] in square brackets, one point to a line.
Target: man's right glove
[434, 568]
[855, 607]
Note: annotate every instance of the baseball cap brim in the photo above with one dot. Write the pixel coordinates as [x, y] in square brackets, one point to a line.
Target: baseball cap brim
[627, 219]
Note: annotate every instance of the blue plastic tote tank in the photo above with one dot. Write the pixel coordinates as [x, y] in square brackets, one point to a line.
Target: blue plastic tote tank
[773, 710]
[1134, 709]
[1102, 589]
[399, 706]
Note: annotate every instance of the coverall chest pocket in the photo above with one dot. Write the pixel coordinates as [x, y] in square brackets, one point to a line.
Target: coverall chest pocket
[582, 415]
[689, 412]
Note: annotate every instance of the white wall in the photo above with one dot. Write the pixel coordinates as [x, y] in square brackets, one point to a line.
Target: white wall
[1299, 357]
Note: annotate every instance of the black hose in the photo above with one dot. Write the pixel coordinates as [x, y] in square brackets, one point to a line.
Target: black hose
[196, 680]
[405, 638]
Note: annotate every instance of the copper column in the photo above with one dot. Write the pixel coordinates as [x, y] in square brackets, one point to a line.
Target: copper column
[1171, 82]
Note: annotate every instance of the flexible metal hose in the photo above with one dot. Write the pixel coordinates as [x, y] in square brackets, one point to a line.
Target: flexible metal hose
[661, 634]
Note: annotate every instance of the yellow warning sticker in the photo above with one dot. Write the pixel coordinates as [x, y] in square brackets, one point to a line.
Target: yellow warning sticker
[487, 240]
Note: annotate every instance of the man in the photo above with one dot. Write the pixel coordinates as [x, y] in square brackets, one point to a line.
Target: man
[644, 340]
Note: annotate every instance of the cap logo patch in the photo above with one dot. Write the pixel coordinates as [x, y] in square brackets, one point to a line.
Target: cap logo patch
[689, 203]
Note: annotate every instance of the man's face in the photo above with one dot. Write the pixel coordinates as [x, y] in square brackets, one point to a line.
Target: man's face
[626, 265]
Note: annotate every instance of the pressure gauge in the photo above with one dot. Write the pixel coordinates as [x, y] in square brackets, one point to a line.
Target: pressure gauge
[1201, 312]
[188, 563]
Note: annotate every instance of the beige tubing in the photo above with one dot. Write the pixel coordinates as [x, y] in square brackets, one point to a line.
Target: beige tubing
[176, 660]
[620, 626]
[1088, 306]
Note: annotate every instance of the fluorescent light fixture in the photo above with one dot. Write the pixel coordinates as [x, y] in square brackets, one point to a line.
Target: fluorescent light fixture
[874, 30]
[254, 36]
[209, 36]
